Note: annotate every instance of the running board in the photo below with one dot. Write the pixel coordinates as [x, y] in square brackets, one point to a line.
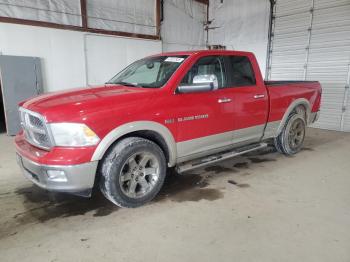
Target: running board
[201, 162]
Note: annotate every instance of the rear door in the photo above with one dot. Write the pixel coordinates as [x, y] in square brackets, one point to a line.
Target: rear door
[250, 99]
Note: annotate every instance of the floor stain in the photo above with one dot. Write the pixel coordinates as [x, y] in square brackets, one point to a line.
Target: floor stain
[307, 149]
[233, 182]
[243, 185]
[195, 195]
[187, 187]
[218, 169]
[43, 206]
[260, 160]
[241, 165]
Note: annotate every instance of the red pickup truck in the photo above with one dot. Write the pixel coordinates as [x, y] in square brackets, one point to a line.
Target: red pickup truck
[180, 109]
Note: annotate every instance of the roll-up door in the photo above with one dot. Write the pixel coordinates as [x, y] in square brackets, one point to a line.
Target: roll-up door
[311, 41]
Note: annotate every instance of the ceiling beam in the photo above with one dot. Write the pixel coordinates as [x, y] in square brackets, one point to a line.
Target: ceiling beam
[206, 2]
[83, 10]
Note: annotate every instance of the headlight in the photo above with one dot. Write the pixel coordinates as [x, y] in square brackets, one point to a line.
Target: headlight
[73, 134]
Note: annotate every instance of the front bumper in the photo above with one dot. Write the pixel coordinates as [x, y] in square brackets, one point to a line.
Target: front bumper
[79, 178]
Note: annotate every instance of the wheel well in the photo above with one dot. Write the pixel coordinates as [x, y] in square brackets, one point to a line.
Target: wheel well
[301, 109]
[146, 134]
[149, 135]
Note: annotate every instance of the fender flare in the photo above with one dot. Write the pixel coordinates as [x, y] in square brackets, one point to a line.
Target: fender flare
[300, 101]
[125, 129]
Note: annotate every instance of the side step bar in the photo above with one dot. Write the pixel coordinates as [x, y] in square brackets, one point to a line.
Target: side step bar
[208, 160]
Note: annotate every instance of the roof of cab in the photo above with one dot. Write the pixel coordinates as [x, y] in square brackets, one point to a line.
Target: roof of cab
[192, 52]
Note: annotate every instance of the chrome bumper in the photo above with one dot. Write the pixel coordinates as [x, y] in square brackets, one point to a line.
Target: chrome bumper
[79, 178]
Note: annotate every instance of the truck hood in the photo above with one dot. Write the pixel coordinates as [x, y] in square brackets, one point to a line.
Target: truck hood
[69, 105]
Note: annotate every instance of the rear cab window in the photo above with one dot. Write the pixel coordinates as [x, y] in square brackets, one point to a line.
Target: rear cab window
[240, 71]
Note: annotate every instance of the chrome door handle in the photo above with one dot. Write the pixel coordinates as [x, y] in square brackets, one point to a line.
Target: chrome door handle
[224, 100]
[259, 96]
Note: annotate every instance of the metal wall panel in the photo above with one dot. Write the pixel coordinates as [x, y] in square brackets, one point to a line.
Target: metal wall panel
[290, 39]
[329, 59]
[346, 111]
[21, 79]
[288, 7]
[311, 41]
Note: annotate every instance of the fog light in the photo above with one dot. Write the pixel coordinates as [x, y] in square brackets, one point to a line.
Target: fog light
[56, 175]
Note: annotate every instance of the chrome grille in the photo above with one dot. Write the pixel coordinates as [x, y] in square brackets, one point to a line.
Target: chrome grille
[34, 128]
[36, 121]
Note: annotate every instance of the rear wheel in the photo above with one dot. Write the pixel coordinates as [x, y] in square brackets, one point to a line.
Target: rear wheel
[291, 139]
[133, 172]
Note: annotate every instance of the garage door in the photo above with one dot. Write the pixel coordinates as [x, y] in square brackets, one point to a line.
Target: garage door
[311, 41]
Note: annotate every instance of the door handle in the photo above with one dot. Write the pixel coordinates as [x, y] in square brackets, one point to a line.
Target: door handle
[224, 100]
[259, 96]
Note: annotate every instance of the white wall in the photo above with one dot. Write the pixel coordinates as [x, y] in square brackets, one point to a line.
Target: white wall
[182, 28]
[107, 55]
[71, 58]
[65, 63]
[242, 25]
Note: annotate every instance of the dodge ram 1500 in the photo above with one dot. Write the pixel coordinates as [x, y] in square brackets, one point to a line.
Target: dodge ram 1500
[179, 109]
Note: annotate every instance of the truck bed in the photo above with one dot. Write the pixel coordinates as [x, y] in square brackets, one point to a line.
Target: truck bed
[283, 93]
[287, 82]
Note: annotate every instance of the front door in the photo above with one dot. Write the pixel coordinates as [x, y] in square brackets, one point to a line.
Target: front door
[205, 119]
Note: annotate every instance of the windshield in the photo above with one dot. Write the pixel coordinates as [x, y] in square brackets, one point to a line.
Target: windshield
[151, 72]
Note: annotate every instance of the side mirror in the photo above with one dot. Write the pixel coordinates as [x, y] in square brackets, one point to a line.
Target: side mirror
[201, 83]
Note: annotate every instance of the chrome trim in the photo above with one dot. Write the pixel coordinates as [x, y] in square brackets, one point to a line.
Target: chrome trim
[27, 126]
[259, 96]
[79, 177]
[211, 159]
[224, 100]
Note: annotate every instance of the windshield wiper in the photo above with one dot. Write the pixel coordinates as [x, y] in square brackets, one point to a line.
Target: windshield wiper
[123, 83]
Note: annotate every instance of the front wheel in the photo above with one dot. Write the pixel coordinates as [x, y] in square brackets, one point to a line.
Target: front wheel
[133, 172]
[291, 139]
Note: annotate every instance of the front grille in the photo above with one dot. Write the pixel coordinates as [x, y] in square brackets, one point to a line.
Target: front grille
[34, 128]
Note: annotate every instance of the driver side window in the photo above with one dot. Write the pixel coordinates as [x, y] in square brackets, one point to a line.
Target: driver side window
[209, 65]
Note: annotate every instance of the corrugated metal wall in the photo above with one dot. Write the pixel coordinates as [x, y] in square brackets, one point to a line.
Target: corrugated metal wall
[311, 41]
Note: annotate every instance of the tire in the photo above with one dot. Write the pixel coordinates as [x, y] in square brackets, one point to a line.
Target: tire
[290, 140]
[277, 145]
[132, 172]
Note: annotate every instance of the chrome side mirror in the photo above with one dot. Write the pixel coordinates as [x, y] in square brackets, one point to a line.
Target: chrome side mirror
[201, 83]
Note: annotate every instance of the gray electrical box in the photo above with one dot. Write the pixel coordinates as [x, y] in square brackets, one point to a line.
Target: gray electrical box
[20, 79]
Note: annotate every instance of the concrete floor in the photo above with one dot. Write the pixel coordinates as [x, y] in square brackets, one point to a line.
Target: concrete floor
[264, 207]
